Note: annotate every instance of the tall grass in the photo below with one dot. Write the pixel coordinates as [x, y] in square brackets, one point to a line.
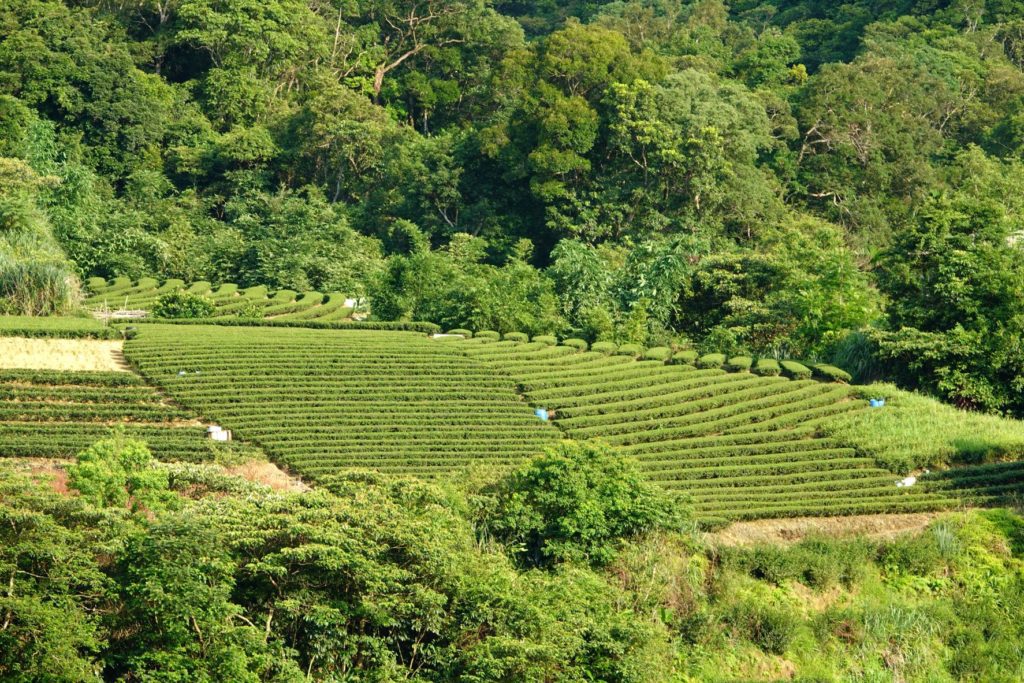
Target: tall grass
[37, 288]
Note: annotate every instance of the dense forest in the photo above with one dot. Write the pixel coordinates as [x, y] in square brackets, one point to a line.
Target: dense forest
[841, 182]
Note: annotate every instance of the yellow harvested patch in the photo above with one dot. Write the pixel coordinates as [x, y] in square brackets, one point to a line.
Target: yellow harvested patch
[61, 354]
[786, 531]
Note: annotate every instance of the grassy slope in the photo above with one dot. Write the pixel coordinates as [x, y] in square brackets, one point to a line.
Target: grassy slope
[913, 431]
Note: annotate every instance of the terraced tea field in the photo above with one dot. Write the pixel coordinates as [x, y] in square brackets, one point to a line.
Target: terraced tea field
[52, 414]
[285, 304]
[320, 401]
[743, 446]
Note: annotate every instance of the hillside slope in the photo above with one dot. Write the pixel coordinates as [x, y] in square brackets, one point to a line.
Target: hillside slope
[740, 445]
[321, 401]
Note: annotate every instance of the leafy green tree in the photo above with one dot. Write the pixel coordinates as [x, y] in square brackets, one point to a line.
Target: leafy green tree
[954, 279]
[577, 502]
[119, 472]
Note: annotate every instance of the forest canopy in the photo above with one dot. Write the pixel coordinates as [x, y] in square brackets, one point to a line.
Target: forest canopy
[828, 181]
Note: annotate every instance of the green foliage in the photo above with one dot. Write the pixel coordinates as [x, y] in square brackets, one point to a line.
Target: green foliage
[662, 353]
[739, 363]
[711, 360]
[605, 347]
[768, 367]
[831, 372]
[578, 344]
[577, 502]
[547, 339]
[119, 472]
[181, 304]
[516, 337]
[914, 431]
[792, 368]
[632, 350]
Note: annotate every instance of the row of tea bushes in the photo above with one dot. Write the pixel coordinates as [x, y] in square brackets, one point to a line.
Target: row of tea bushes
[321, 401]
[228, 299]
[741, 445]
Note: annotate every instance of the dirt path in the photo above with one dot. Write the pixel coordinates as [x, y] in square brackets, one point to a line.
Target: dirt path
[787, 531]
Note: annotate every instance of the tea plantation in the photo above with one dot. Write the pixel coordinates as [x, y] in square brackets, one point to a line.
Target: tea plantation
[285, 304]
[319, 401]
[740, 445]
[55, 414]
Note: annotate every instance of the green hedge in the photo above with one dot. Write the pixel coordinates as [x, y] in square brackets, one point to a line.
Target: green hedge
[768, 367]
[488, 334]
[795, 370]
[516, 337]
[580, 344]
[662, 353]
[685, 357]
[549, 339]
[56, 328]
[468, 334]
[740, 363]
[605, 347]
[711, 360]
[381, 325]
[634, 350]
[831, 372]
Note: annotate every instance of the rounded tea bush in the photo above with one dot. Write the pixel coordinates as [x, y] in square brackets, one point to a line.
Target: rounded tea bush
[662, 353]
[579, 344]
[711, 360]
[488, 334]
[605, 347]
[634, 350]
[516, 337]
[548, 339]
[465, 333]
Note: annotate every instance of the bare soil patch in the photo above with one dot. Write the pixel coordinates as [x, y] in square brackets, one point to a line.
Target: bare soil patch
[268, 474]
[62, 354]
[788, 531]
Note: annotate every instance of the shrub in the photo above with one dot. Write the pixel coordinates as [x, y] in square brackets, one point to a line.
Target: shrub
[768, 367]
[634, 350]
[662, 353]
[711, 360]
[795, 370]
[740, 363]
[577, 502]
[548, 339]
[516, 337]
[685, 357]
[770, 628]
[488, 334]
[605, 347]
[468, 334]
[182, 304]
[580, 344]
[831, 372]
[249, 309]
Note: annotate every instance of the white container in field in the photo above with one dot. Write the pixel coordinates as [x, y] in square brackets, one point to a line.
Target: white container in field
[218, 433]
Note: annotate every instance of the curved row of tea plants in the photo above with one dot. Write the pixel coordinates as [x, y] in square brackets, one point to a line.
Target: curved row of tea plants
[229, 300]
[742, 445]
[320, 401]
[56, 414]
